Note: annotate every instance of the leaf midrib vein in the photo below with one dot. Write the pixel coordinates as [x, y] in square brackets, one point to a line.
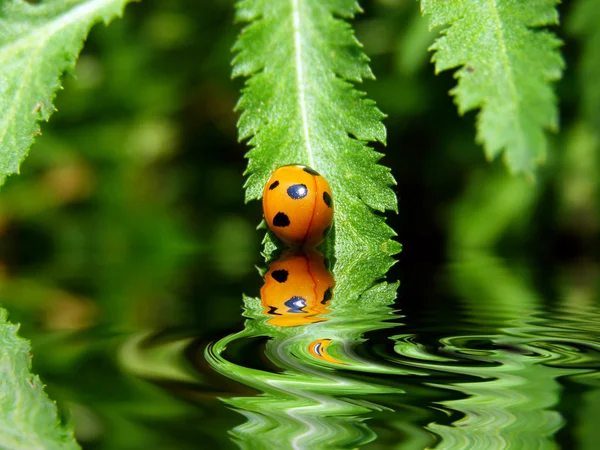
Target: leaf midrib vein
[506, 60]
[299, 67]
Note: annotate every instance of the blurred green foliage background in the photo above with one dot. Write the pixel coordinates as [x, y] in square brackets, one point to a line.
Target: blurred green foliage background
[129, 215]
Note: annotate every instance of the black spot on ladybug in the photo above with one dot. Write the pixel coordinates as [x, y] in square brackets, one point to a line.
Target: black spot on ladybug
[296, 304]
[273, 311]
[274, 184]
[281, 220]
[311, 171]
[327, 198]
[326, 296]
[297, 191]
[326, 231]
[280, 276]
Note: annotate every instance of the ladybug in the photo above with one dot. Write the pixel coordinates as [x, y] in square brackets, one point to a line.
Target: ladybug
[298, 205]
[297, 289]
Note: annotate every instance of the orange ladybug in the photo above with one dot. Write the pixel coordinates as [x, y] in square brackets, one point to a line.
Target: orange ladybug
[297, 289]
[298, 205]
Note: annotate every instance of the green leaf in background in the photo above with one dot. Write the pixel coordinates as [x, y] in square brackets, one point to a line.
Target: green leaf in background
[584, 23]
[28, 418]
[300, 107]
[507, 66]
[38, 42]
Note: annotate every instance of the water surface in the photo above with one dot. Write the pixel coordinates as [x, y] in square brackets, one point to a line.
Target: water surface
[489, 363]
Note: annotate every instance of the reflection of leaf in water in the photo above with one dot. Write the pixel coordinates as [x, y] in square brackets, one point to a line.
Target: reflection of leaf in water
[517, 353]
[28, 418]
[310, 402]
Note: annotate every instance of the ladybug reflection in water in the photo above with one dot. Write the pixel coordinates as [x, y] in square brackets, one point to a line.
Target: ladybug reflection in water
[297, 289]
[318, 349]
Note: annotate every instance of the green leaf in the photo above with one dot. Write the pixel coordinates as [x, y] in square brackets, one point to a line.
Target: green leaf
[583, 23]
[507, 66]
[38, 42]
[300, 107]
[28, 418]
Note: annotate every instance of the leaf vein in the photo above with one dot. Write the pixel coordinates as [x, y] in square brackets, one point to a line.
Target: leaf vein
[300, 81]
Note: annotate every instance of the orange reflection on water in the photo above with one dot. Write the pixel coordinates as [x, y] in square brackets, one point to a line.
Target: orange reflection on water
[297, 289]
[318, 349]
